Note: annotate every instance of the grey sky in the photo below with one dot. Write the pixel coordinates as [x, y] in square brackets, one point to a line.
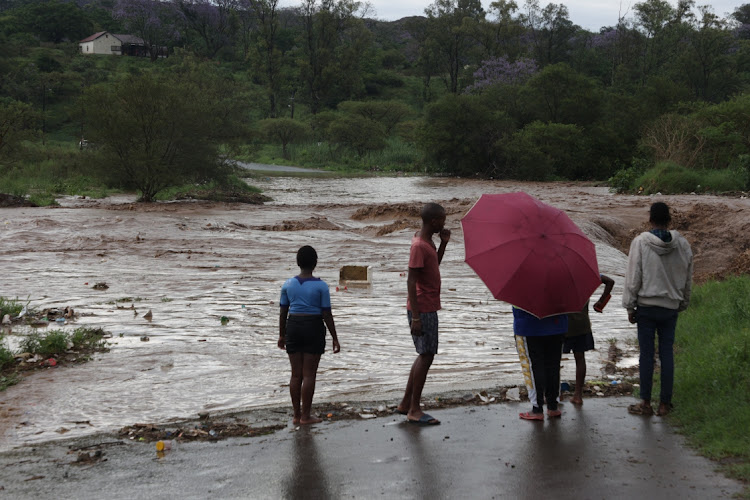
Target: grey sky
[590, 14]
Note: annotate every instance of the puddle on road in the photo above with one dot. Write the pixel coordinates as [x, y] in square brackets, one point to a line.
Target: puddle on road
[191, 265]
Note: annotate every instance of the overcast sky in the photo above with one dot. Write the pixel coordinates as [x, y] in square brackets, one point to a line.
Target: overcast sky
[590, 14]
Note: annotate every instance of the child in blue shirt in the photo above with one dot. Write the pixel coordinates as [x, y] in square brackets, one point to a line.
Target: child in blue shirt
[305, 314]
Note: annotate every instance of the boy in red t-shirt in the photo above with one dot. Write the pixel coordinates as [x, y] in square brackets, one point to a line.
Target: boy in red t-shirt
[423, 303]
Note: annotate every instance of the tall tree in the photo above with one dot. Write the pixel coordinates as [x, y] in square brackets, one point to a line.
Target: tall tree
[151, 20]
[452, 28]
[333, 41]
[268, 55]
[210, 20]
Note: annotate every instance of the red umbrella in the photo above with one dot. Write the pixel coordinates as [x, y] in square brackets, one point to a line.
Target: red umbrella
[530, 254]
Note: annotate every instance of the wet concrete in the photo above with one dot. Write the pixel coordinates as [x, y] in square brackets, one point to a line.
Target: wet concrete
[597, 451]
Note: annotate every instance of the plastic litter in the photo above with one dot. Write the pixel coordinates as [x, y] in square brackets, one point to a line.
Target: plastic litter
[163, 445]
[513, 394]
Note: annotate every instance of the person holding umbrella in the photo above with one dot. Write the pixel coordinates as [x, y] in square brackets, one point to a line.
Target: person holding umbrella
[534, 257]
[422, 305]
[539, 345]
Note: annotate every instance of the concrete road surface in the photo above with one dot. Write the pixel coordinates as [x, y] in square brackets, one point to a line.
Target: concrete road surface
[595, 452]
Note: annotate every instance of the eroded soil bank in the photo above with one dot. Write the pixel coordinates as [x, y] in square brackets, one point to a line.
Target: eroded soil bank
[193, 263]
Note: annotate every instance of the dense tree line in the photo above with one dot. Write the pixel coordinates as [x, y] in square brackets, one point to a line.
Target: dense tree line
[517, 91]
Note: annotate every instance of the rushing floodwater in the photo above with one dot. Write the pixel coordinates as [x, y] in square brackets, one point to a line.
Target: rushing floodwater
[192, 265]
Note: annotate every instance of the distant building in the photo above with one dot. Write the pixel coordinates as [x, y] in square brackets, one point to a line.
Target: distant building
[117, 45]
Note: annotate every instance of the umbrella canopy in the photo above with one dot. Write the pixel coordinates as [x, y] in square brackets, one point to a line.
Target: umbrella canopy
[530, 254]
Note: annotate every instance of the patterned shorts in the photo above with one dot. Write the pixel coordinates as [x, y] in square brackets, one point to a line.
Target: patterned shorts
[427, 343]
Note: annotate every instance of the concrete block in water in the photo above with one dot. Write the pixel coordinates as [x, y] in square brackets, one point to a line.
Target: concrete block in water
[355, 275]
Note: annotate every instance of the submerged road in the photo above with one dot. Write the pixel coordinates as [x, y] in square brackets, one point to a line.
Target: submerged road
[597, 451]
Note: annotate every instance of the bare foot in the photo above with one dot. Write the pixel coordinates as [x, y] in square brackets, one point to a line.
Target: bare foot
[576, 400]
[295, 421]
[309, 420]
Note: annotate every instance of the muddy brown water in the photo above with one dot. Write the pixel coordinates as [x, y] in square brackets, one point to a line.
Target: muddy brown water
[192, 263]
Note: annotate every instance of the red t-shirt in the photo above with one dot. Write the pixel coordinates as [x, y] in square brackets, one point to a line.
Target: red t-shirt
[423, 255]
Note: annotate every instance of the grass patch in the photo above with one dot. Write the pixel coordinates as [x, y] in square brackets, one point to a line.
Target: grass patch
[47, 344]
[50, 170]
[670, 178]
[88, 339]
[397, 155]
[6, 356]
[712, 380]
[10, 306]
[8, 380]
[234, 189]
[72, 347]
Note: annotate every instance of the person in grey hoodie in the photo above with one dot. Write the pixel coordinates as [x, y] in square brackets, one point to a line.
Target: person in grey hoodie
[658, 283]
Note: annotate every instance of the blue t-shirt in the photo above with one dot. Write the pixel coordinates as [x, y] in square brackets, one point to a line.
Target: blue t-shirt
[305, 296]
[528, 325]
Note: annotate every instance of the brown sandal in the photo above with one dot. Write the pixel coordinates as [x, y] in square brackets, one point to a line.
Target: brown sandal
[664, 409]
[641, 409]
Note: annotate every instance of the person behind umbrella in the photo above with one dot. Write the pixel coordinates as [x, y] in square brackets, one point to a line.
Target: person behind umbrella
[580, 338]
[658, 283]
[305, 307]
[539, 345]
[422, 305]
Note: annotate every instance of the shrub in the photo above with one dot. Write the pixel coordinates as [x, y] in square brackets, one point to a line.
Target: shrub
[53, 342]
[6, 356]
[670, 178]
[87, 338]
[624, 180]
[10, 306]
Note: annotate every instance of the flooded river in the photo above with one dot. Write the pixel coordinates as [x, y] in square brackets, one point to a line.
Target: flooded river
[191, 264]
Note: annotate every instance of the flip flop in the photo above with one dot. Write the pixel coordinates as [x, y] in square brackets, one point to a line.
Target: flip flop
[554, 413]
[425, 419]
[528, 415]
[400, 412]
[640, 409]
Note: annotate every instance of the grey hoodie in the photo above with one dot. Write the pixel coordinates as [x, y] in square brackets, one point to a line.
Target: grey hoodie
[659, 274]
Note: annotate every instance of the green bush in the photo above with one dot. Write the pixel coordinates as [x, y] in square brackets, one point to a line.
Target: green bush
[6, 355]
[10, 306]
[669, 178]
[624, 180]
[87, 338]
[49, 344]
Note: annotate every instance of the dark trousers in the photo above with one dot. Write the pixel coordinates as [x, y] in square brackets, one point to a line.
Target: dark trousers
[544, 355]
[654, 321]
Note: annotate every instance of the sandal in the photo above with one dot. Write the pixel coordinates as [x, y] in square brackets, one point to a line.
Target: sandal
[641, 409]
[554, 413]
[528, 415]
[664, 409]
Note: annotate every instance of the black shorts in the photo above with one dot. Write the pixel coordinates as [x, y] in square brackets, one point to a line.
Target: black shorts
[305, 334]
[579, 343]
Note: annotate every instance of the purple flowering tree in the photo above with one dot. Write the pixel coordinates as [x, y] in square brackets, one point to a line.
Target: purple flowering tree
[150, 20]
[501, 71]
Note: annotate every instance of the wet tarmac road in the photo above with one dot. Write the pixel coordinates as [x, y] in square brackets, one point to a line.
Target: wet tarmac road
[598, 451]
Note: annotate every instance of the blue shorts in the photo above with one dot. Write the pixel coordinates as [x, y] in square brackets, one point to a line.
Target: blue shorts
[427, 343]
